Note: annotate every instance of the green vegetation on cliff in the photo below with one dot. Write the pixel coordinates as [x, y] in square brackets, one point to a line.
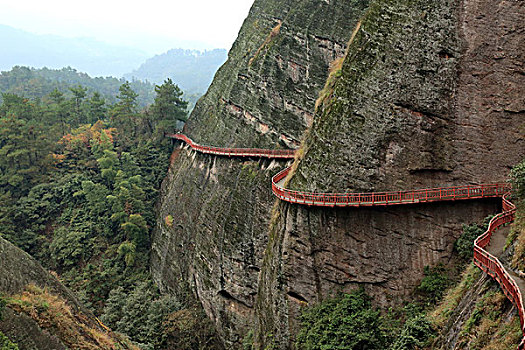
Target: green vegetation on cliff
[6, 344]
[464, 246]
[344, 322]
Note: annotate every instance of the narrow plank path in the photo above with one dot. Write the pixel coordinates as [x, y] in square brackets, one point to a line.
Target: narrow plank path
[493, 239]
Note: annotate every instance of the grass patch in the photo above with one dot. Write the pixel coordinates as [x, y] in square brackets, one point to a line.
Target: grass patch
[169, 220]
[273, 34]
[335, 72]
[453, 296]
[487, 327]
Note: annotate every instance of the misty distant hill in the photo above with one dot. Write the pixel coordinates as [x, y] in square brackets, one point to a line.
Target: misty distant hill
[192, 70]
[86, 55]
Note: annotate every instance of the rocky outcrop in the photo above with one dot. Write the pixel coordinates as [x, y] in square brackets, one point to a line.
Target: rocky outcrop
[404, 112]
[19, 270]
[263, 96]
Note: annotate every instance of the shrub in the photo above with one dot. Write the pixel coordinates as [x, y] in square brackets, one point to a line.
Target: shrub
[518, 179]
[415, 333]
[464, 245]
[6, 344]
[247, 342]
[435, 282]
[169, 220]
[344, 322]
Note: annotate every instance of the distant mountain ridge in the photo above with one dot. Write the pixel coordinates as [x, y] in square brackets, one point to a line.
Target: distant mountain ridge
[192, 70]
[84, 54]
[33, 65]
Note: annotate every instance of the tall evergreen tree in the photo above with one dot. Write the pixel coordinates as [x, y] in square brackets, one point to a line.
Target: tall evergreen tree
[96, 108]
[124, 114]
[79, 94]
[169, 107]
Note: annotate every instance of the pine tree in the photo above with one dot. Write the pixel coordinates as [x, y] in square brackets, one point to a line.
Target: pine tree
[96, 108]
[169, 107]
[78, 112]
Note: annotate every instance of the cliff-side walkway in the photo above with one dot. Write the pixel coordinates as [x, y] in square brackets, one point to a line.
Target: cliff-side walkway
[485, 251]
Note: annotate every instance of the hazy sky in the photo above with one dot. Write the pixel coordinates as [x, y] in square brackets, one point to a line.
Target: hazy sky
[152, 25]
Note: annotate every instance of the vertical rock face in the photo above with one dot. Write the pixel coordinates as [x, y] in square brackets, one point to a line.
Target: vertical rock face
[431, 93]
[220, 208]
[265, 93]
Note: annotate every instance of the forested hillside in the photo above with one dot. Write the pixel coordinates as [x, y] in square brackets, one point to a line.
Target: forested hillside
[190, 69]
[39, 83]
[79, 180]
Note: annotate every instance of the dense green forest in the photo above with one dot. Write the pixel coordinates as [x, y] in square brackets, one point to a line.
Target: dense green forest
[40, 83]
[79, 179]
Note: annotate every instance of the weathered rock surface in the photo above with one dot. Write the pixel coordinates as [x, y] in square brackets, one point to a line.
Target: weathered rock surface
[430, 94]
[18, 269]
[263, 96]
[315, 253]
[26, 333]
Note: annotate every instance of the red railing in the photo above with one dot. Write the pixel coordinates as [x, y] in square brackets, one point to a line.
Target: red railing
[385, 198]
[492, 266]
[236, 152]
[482, 258]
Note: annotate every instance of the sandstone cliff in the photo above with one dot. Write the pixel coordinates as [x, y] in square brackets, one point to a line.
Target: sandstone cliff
[430, 93]
[263, 96]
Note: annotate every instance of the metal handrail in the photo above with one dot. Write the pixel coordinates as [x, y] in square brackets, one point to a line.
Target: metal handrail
[493, 267]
